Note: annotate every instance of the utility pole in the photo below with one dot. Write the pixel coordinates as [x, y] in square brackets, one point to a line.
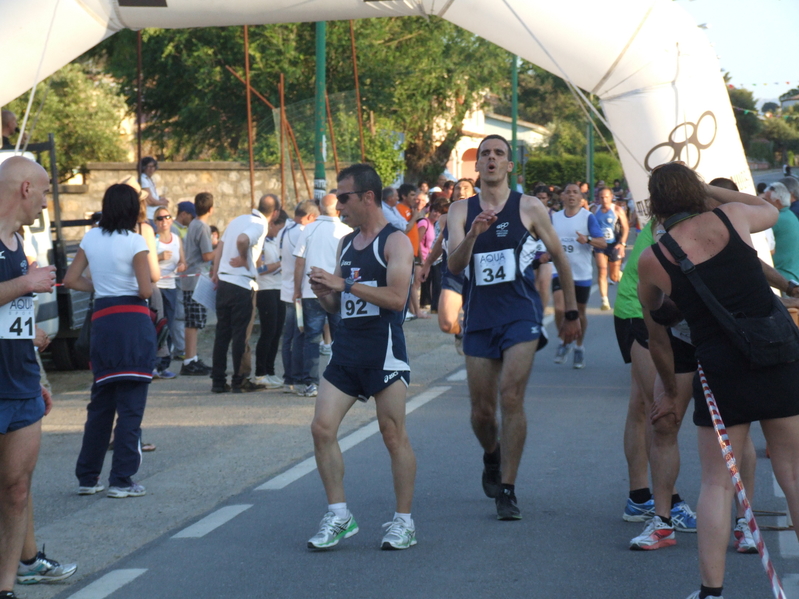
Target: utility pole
[514, 118]
[589, 159]
[320, 113]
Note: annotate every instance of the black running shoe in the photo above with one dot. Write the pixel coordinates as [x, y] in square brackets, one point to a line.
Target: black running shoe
[7, 595]
[196, 368]
[221, 389]
[492, 475]
[506, 506]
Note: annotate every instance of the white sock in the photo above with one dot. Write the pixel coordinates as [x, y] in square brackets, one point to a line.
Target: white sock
[340, 510]
[404, 517]
[604, 298]
[578, 347]
[190, 360]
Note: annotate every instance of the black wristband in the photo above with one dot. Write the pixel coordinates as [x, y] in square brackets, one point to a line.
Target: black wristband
[571, 315]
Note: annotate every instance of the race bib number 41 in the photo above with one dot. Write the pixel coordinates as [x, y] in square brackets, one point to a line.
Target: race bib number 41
[492, 268]
[355, 307]
[17, 319]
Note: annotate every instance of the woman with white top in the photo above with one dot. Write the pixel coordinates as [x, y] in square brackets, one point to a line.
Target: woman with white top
[271, 311]
[171, 262]
[122, 342]
[148, 167]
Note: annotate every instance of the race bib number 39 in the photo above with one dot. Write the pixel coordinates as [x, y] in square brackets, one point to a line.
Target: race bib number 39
[492, 268]
[355, 307]
[17, 319]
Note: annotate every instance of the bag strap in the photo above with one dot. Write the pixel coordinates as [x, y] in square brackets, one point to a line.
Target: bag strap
[722, 315]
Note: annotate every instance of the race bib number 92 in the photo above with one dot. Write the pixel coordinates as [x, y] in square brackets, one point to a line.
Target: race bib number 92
[17, 319]
[355, 307]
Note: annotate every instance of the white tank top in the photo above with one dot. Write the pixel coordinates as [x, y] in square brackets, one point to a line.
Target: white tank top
[168, 267]
[580, 255]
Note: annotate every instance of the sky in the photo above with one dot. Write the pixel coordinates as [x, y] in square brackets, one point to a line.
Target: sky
[757, 41]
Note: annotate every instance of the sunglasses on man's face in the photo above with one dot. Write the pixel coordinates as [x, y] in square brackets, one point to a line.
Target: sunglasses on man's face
[164, 217]
[343, 198]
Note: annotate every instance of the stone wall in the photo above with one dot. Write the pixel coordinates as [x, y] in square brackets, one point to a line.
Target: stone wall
[229, 182]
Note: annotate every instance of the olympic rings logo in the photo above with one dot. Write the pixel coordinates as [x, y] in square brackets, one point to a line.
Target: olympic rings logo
[677, 147]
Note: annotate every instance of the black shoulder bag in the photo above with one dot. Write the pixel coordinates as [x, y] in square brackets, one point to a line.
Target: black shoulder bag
[764, 341]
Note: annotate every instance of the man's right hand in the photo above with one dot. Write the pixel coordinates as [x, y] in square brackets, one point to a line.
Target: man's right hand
[42, 278]
[424, 272]
[482, 222]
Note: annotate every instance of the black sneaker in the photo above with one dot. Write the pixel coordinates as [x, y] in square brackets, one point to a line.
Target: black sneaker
[223, 389]
[7, 595]
[506, 506]
[492, 475]
[196, 368]
[247, 386]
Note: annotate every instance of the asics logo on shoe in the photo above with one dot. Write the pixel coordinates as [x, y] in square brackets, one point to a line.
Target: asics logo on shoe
[388, 377]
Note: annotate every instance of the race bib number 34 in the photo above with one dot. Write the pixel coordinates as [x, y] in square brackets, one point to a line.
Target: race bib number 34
[355, 307]
[492, 268]
[17, 319]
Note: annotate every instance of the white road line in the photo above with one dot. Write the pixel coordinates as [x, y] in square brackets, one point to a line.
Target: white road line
[109, 583]
[309, 465]
[459, 375]
[790, 584]
[211, 522]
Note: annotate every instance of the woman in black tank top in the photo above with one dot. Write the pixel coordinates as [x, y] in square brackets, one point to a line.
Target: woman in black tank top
[718, 242]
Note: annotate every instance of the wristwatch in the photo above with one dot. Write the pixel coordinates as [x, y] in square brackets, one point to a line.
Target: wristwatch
[589, 238]
[348, 283]
[792, 284]
[571, 315]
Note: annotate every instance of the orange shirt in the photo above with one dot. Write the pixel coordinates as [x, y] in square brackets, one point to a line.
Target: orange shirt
[413, 234]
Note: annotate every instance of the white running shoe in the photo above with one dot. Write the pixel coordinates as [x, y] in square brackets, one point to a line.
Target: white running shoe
[656, 534]
[605, 306]
[744, 541]
[98, 488]
[399, 535]
[269, 381]
[332, 530]
[44, 569]
[134, 490]
[562, 353]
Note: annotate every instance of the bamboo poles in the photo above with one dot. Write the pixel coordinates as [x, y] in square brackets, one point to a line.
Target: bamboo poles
[289, 128]
[249, 114]
[332, 134]
[357, 90]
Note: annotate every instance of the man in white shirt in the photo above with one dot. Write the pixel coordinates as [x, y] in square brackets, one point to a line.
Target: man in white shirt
[316, 247]
[234, 274]
[293, 339]
[389, 204]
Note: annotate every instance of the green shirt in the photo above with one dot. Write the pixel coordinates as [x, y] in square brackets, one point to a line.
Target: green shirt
[627, 304]
[786, 239]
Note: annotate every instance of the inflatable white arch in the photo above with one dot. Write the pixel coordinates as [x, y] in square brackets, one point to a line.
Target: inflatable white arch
[654, 71]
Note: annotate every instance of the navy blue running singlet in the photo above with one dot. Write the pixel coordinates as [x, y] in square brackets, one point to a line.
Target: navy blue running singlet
[500, 280]
[368, 336]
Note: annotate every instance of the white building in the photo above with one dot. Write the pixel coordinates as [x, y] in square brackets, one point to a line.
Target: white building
[479, 124]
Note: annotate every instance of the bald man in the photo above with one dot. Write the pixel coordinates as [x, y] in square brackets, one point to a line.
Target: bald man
[23, 401]
[316, 247]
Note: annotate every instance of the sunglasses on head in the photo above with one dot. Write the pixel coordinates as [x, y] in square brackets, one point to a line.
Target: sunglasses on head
[343, 198]
[163, 217]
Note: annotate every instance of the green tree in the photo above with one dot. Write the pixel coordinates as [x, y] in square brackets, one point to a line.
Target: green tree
[746, 114]
[421, 75]
[772, 107]
[84, 111]
[783, 133]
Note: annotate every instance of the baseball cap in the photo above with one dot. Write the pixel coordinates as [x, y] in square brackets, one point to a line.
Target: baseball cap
[187, 207]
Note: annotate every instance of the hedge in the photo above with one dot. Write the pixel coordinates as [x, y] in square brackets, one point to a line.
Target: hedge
[559, 170]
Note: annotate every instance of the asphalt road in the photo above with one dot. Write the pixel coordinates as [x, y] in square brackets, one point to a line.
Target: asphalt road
[206, 530]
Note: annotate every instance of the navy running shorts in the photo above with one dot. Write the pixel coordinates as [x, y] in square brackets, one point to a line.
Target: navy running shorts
[491, 343]
[363, 383]
[19, 413]
[611, 251]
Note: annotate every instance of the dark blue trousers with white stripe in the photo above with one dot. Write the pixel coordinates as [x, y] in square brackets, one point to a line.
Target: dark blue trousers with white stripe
[127, 399]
